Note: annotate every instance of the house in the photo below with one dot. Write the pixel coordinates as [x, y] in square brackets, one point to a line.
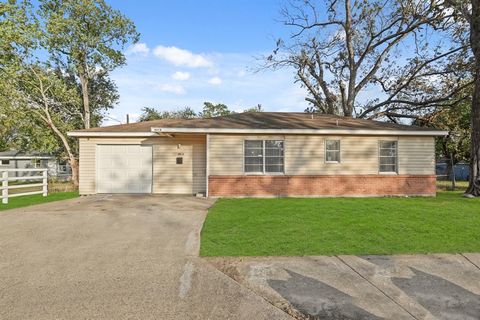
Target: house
[259, 154]
[33, 160]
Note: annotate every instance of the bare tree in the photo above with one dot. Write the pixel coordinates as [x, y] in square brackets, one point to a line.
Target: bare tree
[376, 58]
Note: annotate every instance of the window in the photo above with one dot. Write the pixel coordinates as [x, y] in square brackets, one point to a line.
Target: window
[36, 163]
[263, 156]
[4, 162]
[332, 151]
[387, 156]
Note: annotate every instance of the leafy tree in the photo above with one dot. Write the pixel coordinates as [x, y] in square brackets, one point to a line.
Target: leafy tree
[257, 108]
[341, 49]
[43, 98]
[87, 38]
[455, 147]
[103, 93]
[154, 114]
[84, 43]
[211, 110]
[20, 131]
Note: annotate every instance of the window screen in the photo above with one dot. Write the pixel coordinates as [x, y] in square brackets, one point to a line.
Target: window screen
[274, 156]
[264, 156]
[254, 156]
[332, 151]
[388, 156]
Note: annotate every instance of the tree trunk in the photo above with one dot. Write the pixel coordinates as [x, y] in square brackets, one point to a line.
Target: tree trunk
[474, 181]
[86, 100]
[71, 157]
[74, 165]
[451, 173]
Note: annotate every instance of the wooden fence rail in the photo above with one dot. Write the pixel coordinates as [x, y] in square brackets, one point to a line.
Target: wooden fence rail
[39, 174]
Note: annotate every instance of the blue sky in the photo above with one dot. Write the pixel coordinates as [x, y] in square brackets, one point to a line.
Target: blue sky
[196, 51]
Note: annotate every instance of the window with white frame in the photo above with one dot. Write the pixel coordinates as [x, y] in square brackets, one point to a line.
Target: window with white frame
[4, 162]
[332, 151]
[388, 156]
[36, 163]
[264, 156]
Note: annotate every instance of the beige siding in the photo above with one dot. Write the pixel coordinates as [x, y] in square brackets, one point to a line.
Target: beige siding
[305, 154]
[86, 167]
[226, 153]
[416, 155]
[168, 177]
[187, 178]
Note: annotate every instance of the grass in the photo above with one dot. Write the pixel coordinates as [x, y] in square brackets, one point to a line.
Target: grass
[330, 226]
[24, 201]
[445, 185]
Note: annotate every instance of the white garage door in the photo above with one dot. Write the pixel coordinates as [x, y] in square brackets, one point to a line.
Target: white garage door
[124, 169]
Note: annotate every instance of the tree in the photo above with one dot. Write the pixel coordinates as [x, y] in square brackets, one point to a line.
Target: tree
[257, 108]
[454, 147]
[211, 110]
[86, 37]
[42, 95]
[340, 50]
[19, 131]
[149, 114]
[39, 90]
[103, 93]
[474, 19]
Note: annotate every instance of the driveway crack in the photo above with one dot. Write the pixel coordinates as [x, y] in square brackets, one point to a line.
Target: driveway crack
[376, 287]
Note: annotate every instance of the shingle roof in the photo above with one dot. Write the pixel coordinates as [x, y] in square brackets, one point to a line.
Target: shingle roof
[262, 120]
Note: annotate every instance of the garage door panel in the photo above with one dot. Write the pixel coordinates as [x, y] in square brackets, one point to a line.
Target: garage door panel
[124, 169]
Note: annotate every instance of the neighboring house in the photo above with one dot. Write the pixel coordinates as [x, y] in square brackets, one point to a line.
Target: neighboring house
[259, 154]
[33, 160]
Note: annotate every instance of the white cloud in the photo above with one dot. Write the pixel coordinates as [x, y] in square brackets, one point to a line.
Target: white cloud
[181, 76]
[242, 73]
[171, 88]
[215, 81]
[181, 57]
[138, 48]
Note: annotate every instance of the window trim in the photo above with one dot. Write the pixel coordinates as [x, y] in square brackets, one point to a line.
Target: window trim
[380, 156]
[5, 164]
[36, 162]
[339, 151]
[258, 173]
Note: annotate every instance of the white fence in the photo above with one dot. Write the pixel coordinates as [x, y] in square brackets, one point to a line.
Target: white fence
[37, 174]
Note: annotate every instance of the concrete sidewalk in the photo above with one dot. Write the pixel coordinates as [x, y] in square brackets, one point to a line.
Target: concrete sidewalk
[439, 286]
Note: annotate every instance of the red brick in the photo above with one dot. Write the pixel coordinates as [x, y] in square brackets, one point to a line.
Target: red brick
[325, 185]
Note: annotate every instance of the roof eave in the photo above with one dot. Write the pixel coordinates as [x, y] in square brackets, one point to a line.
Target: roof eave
[305, 131]
[111, 134]
[159, 131]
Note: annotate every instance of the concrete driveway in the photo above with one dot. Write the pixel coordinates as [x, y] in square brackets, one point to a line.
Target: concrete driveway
[440, 286]
[116, 257]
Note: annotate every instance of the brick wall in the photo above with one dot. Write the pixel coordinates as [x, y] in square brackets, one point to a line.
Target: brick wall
[333, 185]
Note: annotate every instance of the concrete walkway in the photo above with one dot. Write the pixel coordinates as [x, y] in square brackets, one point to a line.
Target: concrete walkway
[116, 257]
[440, 286]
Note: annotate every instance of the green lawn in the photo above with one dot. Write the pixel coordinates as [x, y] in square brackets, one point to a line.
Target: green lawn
[24, 201]
[331, 226]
